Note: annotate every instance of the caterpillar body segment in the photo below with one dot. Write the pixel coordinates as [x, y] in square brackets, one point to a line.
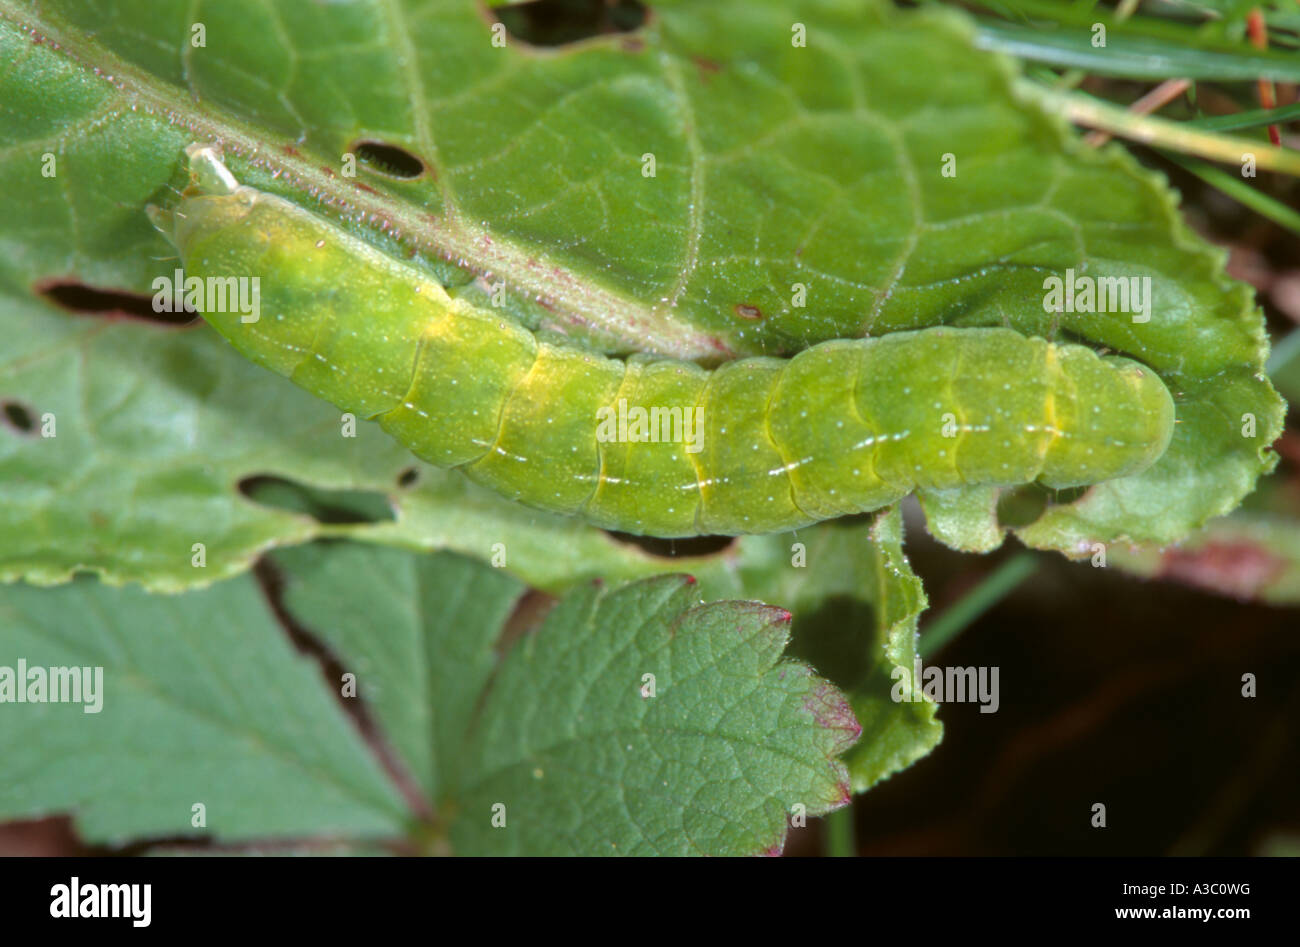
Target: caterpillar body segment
[756, 445]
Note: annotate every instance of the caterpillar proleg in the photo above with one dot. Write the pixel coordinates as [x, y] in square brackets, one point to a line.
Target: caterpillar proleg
[756, 445]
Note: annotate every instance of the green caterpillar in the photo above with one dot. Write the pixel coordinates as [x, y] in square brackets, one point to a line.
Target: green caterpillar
[757, 445]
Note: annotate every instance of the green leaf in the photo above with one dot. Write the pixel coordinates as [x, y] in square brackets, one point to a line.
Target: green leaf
[733, 740]
[560, 734]
[776, 165]
[417, 631]
[192, 711]
[965, 518]
[895, 733]
[1248, 556]
[713, 764]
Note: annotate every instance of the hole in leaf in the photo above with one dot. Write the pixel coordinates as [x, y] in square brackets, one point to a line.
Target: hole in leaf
[324, 506]
[388, 159]
[111, 303]
[675, 548]
[529, 612]
[559, 22]
[1067, 495]
[18, 416]
[836, 639]
[1022, 505]
[275, 583]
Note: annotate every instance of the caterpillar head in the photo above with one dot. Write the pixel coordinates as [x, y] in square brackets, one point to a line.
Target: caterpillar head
[213, 201]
